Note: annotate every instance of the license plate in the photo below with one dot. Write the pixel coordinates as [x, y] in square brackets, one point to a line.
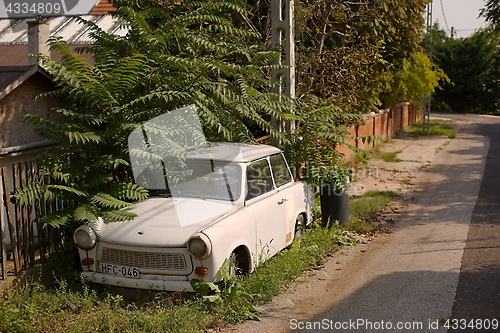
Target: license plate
[125, 271]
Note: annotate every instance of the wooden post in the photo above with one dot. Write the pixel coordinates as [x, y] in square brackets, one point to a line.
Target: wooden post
[426, 125]
[40, 209]
[13, 242]
[31, 226]
[19, 217]
[3, 242]
[374, 128]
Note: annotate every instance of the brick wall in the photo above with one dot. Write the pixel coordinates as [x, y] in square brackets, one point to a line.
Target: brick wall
[21, 101]
[383, 124]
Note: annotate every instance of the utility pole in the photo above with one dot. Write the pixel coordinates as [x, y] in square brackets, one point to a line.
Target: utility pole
[427, 112]
[282, 36]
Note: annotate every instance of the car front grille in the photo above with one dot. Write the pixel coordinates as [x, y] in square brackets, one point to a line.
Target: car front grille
[146, 260]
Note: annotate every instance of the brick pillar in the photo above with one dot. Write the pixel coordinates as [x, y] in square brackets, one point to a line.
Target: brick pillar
[405, 110]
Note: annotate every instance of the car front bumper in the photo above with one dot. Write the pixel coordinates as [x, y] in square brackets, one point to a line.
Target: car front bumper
[146, 284]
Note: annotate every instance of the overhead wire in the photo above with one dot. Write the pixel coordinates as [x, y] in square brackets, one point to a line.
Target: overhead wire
[465, 32]
[444, 16]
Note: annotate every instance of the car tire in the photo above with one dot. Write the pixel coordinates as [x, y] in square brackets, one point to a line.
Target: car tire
[300, 227]
[233, 266]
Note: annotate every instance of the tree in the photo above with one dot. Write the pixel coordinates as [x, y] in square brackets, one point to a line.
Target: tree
[347, 51]
[213, 54]
[472, 66]
[351, 58]
[491, 12]
[417, 80]
[175, 53]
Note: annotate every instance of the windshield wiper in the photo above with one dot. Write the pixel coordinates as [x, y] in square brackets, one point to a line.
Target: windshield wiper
[160, 193]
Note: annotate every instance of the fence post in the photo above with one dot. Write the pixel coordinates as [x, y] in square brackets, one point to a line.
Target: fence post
[30, 216]
[2, 234]
[374, 120]
[13, 242]
[39, 211]
[19, 216]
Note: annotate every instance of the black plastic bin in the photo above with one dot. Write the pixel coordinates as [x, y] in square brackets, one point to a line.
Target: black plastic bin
[335, 204]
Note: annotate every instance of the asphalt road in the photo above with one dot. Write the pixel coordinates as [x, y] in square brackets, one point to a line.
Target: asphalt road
[478, 293]
[441, 270]
[440, 267]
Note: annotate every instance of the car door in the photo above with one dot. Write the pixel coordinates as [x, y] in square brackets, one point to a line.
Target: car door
[267, 208]
[283, 182]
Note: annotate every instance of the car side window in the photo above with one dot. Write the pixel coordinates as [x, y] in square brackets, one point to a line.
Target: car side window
[281, 173]
[258, 179]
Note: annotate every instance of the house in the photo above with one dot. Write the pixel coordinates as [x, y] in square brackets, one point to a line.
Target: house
[14, 34]
[19, 86]
[21, 80]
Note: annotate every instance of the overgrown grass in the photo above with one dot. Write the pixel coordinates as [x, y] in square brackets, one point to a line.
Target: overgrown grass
[437, 127]
[365, 208]
[314, 247]
[37, 309]
[368, 204]
[89, 308]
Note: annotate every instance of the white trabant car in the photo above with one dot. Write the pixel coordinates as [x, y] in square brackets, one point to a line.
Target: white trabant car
[231, 201]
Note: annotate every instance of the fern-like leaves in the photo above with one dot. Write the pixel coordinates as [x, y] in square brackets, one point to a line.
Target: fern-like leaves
[186, 52]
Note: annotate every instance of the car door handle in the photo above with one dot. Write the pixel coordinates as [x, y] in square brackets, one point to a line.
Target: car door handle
[282, 201]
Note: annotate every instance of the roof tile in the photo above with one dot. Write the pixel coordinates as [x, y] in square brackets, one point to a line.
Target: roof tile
[102, 8]
[10, 74]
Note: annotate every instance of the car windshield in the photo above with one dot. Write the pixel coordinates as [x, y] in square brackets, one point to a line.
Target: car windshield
[207, 179]
[162, 155]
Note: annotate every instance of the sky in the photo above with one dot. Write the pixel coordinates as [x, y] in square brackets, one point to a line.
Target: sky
[462, 15]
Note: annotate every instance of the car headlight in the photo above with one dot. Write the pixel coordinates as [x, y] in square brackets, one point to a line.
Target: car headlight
[199, 246]
[85, 237]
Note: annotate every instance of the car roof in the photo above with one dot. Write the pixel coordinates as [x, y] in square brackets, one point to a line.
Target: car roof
[233, 152]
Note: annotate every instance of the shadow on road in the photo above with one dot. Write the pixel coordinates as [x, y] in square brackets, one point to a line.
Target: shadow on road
[443, 261]
[398, 302]
[478, 293]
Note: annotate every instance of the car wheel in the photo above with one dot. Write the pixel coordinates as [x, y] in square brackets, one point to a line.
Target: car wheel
[233, 266]
[300, 227]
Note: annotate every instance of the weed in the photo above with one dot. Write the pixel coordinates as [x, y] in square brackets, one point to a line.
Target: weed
[233, 292]
[437, 127]
[367, 205]
[390, 157]
[365, 208]
[361, 226]
[66, 262]
[387, 157]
